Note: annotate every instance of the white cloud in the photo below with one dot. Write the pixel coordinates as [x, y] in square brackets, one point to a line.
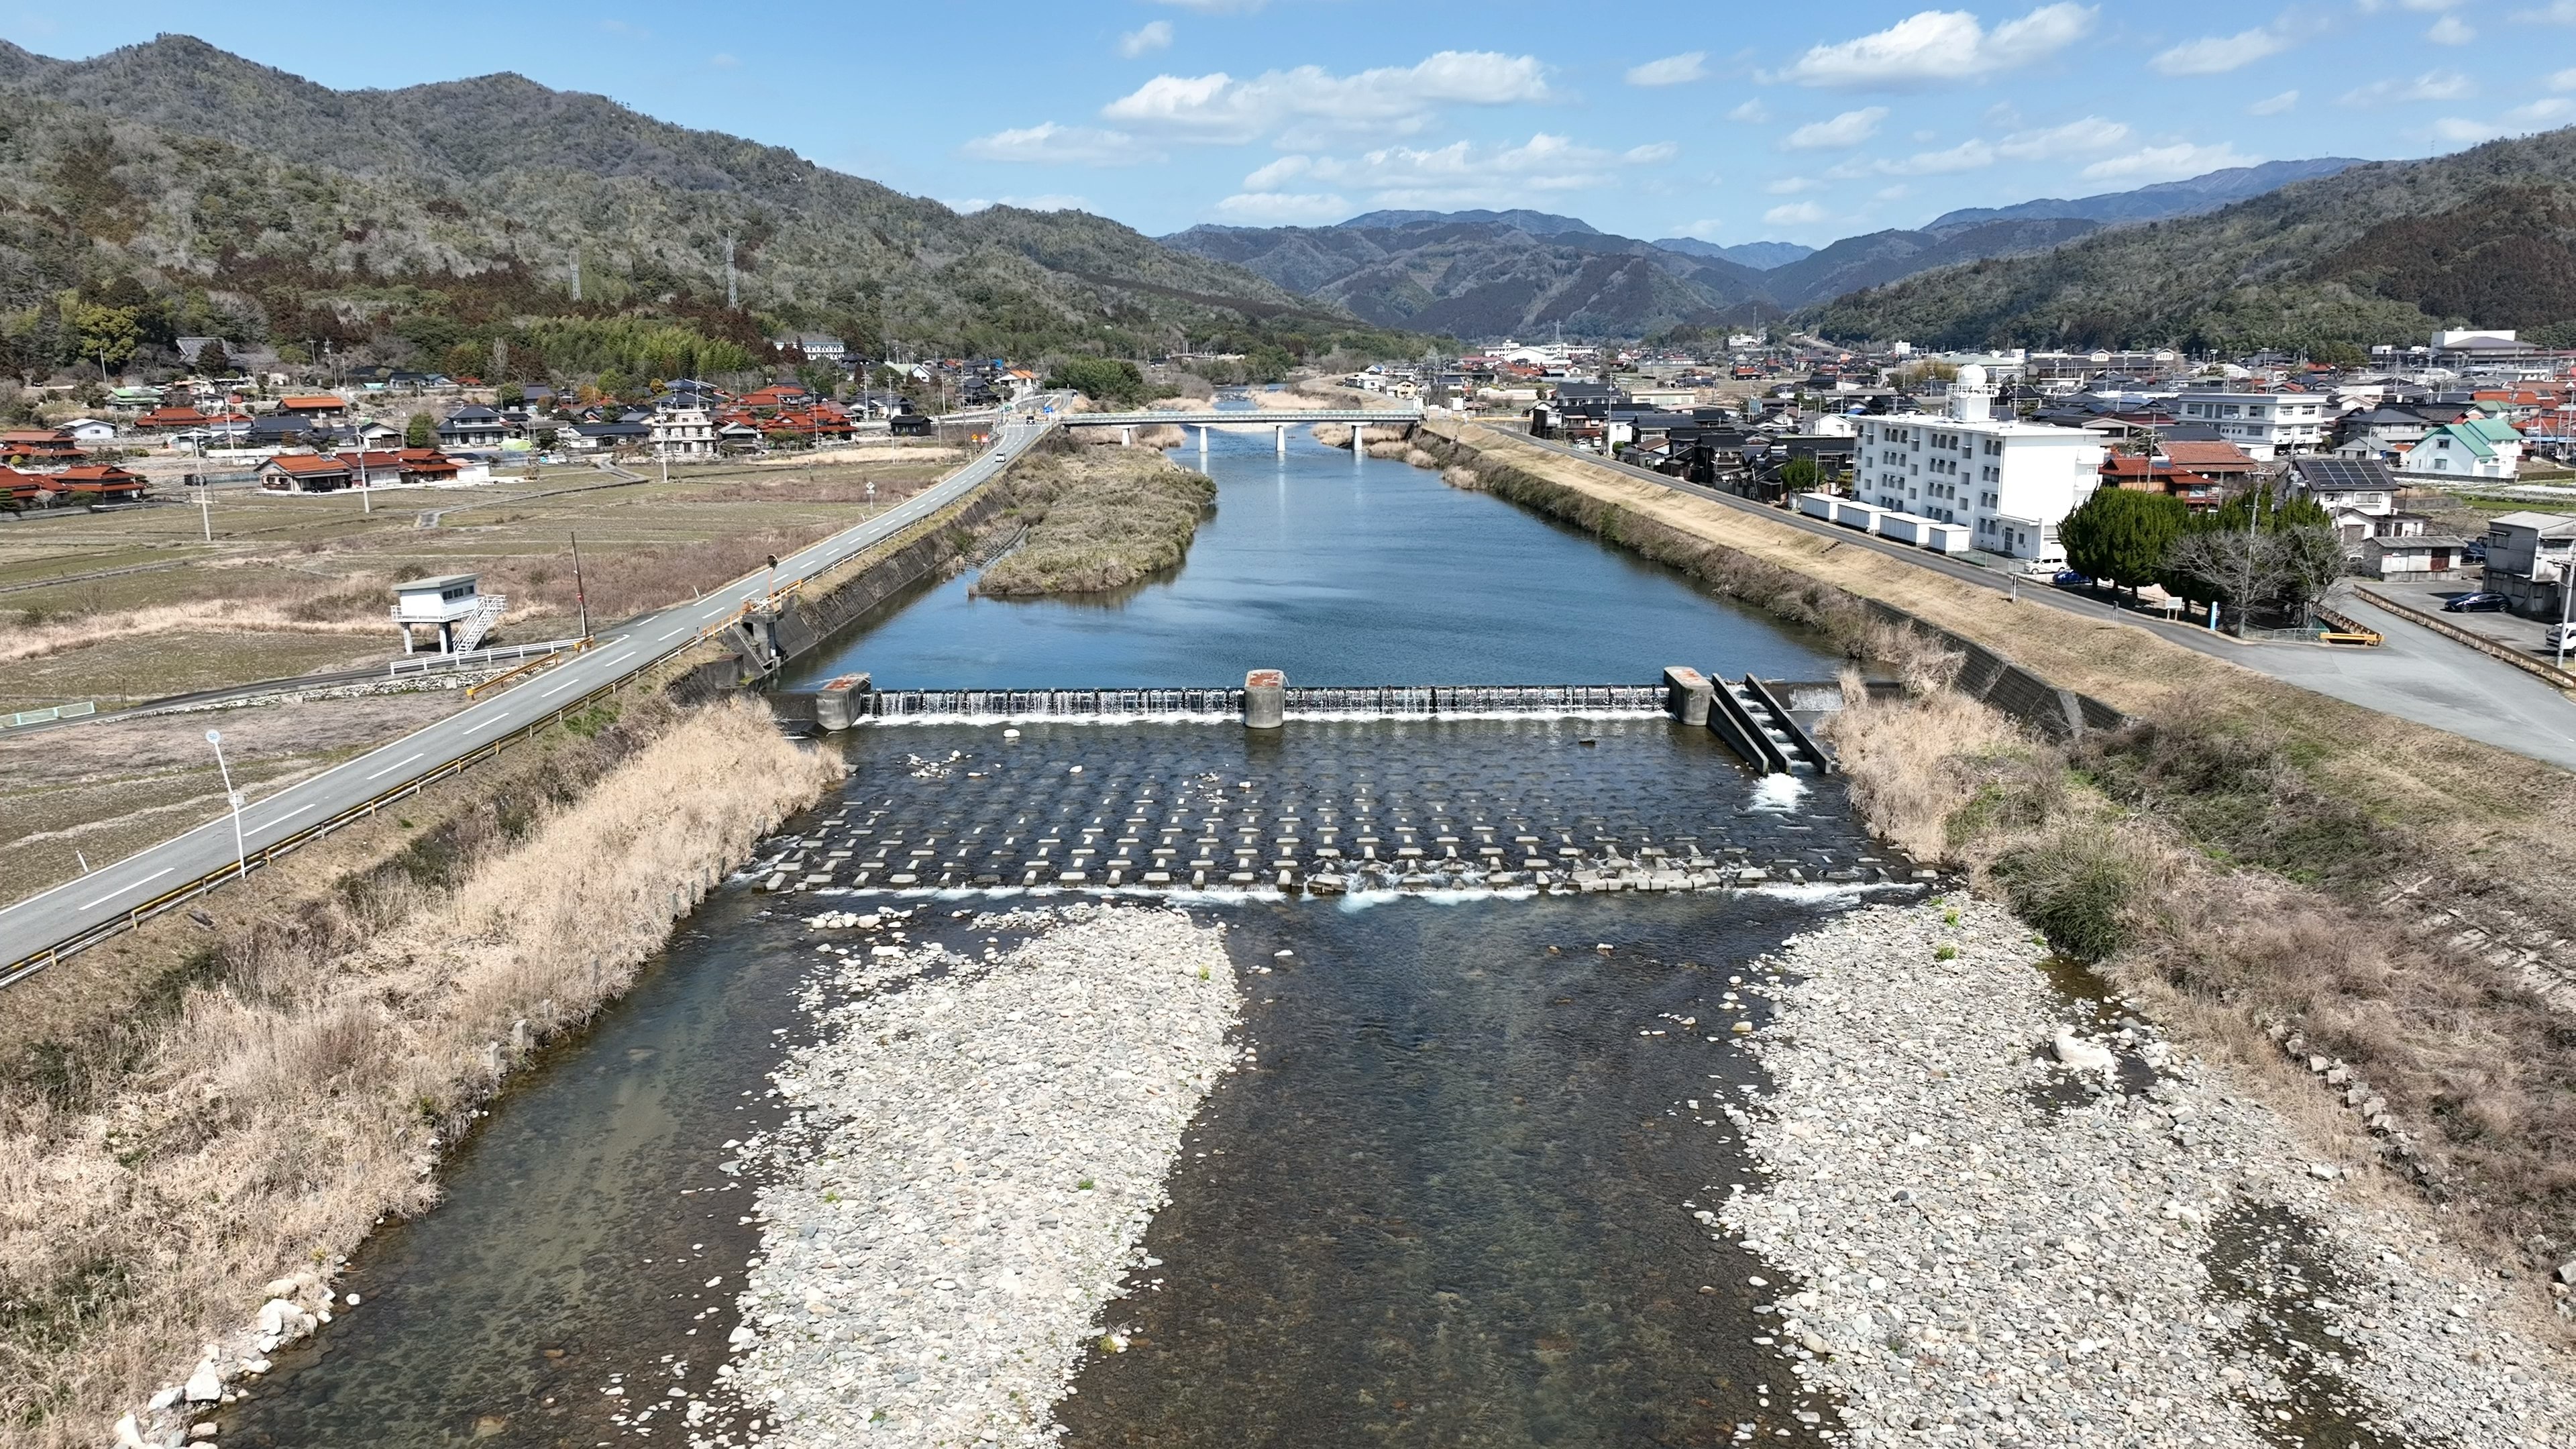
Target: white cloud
[1848, 129]
[1050, 144]
[2093, 133]
[2460, 130]
[2450, 30]
[1968, 155]
[1461, 173]
[1796, 213]
[1672, 70]
[1752, 112]
[1151, 36]
[1791, 186]
[1707, 229]
[2564, 80]
[1283, 208]
[1652, 151]
[2533, 116]
[2217, 54]
[2168, 163]
[964, 205]
[2432, 85]
[2545, 111]
[1934, 46]
[1220, 108]
[725, 60]
[2557, 12]
[2273, 105]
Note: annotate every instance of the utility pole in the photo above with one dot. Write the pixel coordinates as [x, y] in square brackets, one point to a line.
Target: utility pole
[241, 857]
[580, 595]
[576, 273]
[730, 299]
[205, 504]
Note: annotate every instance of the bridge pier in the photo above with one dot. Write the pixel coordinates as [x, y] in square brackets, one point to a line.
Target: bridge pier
[1126, 437]
[1280, 436]
[1203, 432]
[1686, 695]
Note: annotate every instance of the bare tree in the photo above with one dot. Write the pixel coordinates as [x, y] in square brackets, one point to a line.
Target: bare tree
[2237, 568]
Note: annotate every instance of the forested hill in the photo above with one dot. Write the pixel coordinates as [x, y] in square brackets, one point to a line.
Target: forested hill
[208, 195]
[2383, 252]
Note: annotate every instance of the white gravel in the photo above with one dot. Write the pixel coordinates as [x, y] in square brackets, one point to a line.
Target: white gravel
[1976, 1264]
[976, 1149]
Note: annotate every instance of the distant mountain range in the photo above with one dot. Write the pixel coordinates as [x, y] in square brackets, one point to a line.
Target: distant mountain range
[1496, 273]
[2381, 251]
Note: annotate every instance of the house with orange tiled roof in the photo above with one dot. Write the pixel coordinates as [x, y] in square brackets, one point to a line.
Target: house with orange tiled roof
[314, 405]
[304, 473]
[99, 483]
[38, 445]
[171, 418]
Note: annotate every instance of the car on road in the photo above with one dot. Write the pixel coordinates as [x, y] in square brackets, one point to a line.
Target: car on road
[2477, 603]
[2559, 639]
[2069, 579]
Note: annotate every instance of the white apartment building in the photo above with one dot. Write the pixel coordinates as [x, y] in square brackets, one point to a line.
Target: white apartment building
[2009, 482]
[684, 433]
[2266, 425]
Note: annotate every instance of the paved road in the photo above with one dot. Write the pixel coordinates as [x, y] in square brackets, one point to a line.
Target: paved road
[33, 925]
[2417, 675]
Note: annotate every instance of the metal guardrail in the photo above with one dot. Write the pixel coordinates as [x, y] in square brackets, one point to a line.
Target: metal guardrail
[474, 659]
[47, 716]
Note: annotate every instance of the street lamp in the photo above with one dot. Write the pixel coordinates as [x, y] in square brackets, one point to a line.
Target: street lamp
[241, 857]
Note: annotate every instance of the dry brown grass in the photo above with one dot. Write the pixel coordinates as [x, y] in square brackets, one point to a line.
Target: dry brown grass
[310, 1065]
[1099, 520]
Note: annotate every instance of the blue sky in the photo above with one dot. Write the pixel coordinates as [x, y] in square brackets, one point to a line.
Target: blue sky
[1801, 123]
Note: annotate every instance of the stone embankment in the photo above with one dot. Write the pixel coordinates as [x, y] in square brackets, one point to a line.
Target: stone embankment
[2016, 1216]
[976, 1146]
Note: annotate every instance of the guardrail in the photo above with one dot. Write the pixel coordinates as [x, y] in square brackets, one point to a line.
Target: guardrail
[2346, 629]
[441, 663]
[48, 715]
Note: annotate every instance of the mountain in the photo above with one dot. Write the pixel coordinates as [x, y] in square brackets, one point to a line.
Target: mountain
[1475, 274]
[1471, 274]
[2188, 197]
[1761, 256]
[1536, 223]
[440, 224]
[2380, 252]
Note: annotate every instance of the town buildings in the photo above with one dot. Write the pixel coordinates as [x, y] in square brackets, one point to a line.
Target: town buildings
[2009, 482]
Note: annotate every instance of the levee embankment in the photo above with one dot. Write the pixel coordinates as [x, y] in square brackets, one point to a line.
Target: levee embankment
[2362, 913]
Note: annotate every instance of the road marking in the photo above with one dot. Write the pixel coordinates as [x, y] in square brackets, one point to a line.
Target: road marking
[291, 814]
[558, 689]
[396, 765]
[112, 895]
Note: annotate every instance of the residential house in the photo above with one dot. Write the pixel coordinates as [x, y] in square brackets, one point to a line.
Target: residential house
[99, 483]
[2220, 460]
[315, 405]
[25, 490]
[2473, 447]
[90, 432]
[2011, 482]
[601, 435]
[287, 430]
[2359, 494]
[170, 419]
[304, 473]
[816, 346]
[682, 433]
[2527, 560]
[2265, 424]
[472, 426]
[2143, 474]
[38, 445]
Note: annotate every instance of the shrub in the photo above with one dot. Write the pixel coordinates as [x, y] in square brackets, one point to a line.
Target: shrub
[2078, 887]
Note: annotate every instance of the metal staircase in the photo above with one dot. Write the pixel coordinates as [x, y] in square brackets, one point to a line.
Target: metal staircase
[469, 631]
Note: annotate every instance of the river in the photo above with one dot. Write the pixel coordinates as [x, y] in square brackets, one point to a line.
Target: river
[1452, 1204]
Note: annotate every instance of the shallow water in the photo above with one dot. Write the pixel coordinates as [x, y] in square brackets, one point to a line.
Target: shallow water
[1450, 1204]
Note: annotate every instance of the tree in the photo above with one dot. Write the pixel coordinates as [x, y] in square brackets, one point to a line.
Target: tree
[421, 431]
[213, 360]
[105, 335]
[1798, 475]
[1101, 379]
[2122, 535]
[613, 383]
[511, 395]
[2258, 550]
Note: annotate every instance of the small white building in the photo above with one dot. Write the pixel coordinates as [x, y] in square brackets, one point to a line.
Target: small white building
[454, 613]
[2266, 425]
[2472, 448]
[2009, 483]
[684, 432]
[89, 432]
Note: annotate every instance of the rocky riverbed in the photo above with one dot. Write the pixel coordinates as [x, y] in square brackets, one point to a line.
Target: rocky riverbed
[1995, 1234]
[977, 1143]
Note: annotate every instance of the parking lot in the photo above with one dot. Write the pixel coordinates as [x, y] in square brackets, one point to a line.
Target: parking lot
[2510, 630]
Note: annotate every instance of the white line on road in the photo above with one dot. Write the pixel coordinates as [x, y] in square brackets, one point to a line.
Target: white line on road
[112, 895]
[558, 689]
[298, 810]
[396, 765]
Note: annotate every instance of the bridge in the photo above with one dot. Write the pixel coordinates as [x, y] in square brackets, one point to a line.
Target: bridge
[79, 913]
[1278, 422]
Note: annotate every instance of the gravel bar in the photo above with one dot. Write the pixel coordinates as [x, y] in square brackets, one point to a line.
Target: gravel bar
[2004, 1235]
[975, 1149]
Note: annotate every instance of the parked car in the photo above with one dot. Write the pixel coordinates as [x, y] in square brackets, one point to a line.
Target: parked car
[2560, 637]
[2477, 603]
[2069, 579]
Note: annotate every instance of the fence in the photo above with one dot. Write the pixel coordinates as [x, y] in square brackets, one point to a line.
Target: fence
[47, 716]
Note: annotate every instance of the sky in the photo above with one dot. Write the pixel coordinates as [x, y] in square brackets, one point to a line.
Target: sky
[1727, 123]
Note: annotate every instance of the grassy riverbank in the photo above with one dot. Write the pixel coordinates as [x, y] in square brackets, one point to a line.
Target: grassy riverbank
[2261, 861]
[203, 1108]
[1099, 519]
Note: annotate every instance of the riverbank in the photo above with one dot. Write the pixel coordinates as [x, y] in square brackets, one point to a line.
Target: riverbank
[1990, 1242]
[2280, 874]
[1099, 520]
[977, 1146]
[296, 1068]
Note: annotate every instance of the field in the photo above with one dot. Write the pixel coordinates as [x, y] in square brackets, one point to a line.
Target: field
[297, 585]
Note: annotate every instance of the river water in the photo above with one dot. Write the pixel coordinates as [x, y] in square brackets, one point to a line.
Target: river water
[1453, 1202]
